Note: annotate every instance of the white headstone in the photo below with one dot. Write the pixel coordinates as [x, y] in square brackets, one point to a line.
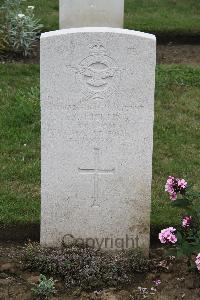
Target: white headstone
[91, 13]
[97, 98]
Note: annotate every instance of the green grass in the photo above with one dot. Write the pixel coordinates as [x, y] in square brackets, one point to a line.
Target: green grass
[176, 135]
[176, 139]
[19, 143]
[165, 16]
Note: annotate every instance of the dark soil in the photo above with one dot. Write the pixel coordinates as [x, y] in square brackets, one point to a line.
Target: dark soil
[19, 232]
[178, 54]
[170, 53]
[176, 281]
[177, 38]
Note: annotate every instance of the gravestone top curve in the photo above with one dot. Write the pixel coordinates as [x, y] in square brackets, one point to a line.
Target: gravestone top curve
[98, 30]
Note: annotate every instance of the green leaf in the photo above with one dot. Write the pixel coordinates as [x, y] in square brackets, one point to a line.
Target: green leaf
[186, 248]
[179, 237]
[181, 203]
[180, 252]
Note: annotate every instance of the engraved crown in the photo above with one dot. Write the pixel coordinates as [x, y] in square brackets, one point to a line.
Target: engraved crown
[97, 48]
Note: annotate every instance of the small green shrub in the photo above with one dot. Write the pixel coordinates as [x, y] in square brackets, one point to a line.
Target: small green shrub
[86, 267]
[45, 288]
[20, 28]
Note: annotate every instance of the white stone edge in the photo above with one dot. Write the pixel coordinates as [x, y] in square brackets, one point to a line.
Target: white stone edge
[98, 29]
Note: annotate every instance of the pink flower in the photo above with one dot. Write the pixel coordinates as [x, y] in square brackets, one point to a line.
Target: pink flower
[182, 183]
[197, 261]
[173, 196]
[174, 186]
[167, 236]
[169, 184]
[157, 282]
[186, 222]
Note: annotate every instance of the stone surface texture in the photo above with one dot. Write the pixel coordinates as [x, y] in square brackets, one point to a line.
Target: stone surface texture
[97, 100]
[91, 13]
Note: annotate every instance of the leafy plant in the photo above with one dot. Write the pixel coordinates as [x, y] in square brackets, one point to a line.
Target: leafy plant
[186, 240]
[45, 288]
[20, 28]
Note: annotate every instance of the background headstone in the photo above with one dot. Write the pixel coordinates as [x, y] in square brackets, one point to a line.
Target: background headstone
[91, 13]
[97, 98]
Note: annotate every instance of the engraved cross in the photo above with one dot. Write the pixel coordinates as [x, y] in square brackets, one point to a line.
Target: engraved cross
[96, 171]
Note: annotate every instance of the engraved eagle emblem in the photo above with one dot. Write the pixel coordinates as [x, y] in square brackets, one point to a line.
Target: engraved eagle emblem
[96, 76]
[98, 73]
